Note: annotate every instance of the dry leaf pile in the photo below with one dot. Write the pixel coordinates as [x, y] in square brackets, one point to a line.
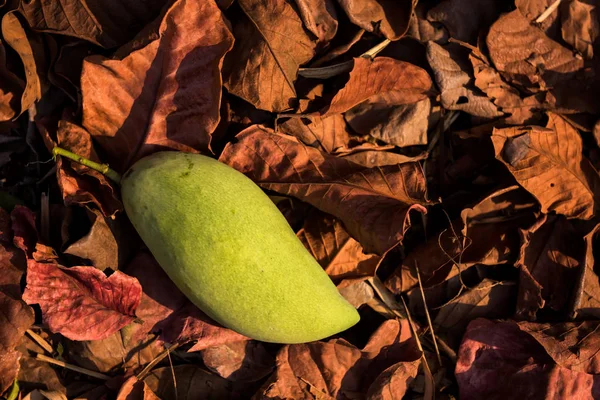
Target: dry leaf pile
[439, 159]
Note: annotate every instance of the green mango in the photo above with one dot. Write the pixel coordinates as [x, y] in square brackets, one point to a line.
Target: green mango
[227, 247]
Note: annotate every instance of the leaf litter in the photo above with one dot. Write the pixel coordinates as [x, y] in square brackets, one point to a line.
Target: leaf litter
[443, 155]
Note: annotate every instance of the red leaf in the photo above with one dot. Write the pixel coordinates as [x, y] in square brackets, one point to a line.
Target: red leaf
[82, 303]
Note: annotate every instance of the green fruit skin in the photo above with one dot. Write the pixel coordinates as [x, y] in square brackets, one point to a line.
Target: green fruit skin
[227, 247]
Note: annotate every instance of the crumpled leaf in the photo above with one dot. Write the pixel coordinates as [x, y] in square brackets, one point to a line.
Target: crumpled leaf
[372, 203]
[388, 17]
[356, 291]
[580, 26]
[382, 80]
[192, 383]
[402, 125]
[15, 318]
[493, 349]
[133, 389]
[165, 94]
[526, 55]
[455, 83]
[82, 303]
[552, 256]
[393, 383]
[163, 308]
[319, 17]
[246, 361]
[336, 251]
[465, 18]
[586, 301]
[105, 24]
[78, 183]
[270, 46]
[11, 89]
[329, 134]
[336, 368]
[550, 165]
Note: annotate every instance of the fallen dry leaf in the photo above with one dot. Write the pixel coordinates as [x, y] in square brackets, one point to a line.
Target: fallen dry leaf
[548, 162]
[372, 203]
[270, 47]
[133, 389]
[329, 134]
[11, 89]
[465, 18]
[382, 80]
[580, 26]
[164, 93]
[319, 17]
[81, 302]
[586, 300]
[246, 361]
[388, 17]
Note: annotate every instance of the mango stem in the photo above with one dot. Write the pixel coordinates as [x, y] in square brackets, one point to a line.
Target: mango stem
[102, 168]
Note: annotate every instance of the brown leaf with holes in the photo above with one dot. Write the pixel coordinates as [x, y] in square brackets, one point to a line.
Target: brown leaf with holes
[101, 23]
[164, 93]
[336, 251]
[548, 162]
[388, 17]
[382, 80]
[15, 318]
[373, 204]
[82, 303]
[270, 46]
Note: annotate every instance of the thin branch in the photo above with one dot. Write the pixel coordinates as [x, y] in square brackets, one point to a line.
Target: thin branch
[156, 360]
[41, 341]
[437, 350]
[548, 11]
[72, 367]
[102, 168]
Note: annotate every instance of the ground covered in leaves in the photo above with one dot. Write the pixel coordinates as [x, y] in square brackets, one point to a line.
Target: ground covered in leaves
[439, 159]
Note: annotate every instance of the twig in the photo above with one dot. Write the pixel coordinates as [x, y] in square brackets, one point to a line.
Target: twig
[72, 367]
[41, 341]
[435, 345]
[173, 375]
[373, 51]
[156, 360]
[548, 11]
[102, 168]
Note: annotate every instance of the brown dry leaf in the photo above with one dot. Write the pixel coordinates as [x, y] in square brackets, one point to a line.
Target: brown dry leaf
[373, 204]
[520, 110]
[357, 291]
[320, 18]
[32, 51]
[526, 55]
[393, 383]
[246, 361]
[383, 80]
[133, 389]
[580, 26]
[11, 89]
[552, 256]
[533, 9]
[12, 260]
[165, 94]
[402, 126]
[548, 162]
[387, 17]
[105, 24]
[587, 297]
[82, 303]
[465, 18]
[336, 368]
[26, 235]
[336, 251]
[192, 383]
[504, 349]
[99, 245]
[329, 134]
[65, 72]
[489, 299]
[270, 46]
[114, 353]
[458, 93]
[378, 156]
[15, 318]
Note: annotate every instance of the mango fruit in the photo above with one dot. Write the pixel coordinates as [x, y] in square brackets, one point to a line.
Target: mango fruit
[229, 249]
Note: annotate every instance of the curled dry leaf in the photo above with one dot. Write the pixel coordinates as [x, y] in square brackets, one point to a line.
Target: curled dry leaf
[492, 349]
[270, 46]
[526, 55]
[372, 203]
[338, 253]
[337, 368]
[320, 18]
[164, 94]
[329, 134]
[12, 260]
[393, 383]
[78, 183]
[15, 318]
[383, 80]
[26, 235]
[403, 125]
[455, 83]
[548, 162]
[552, 256]
[82, 303]
[133, 389]
[388, 17]
[246, 361]
[580, 26]
[11, 88]
[106, 24]
[586, 301]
